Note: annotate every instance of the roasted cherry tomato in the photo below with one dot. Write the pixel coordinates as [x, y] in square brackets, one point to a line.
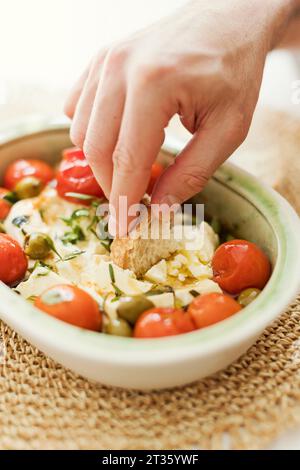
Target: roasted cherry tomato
[239, 264]
[208, 309]
[13, 261]
[75, 176]
[156, 170]
[22, 168]
[71, 305]
[158, 322]
[5, 206]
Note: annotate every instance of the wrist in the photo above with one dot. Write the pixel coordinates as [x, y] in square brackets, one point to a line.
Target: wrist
[281, 12]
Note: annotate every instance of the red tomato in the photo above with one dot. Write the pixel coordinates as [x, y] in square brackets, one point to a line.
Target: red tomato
[13, 261]
[75, 176]
[21, 168]
[158, 322]
[239, 264]
[5, 206]
[156, 171]
[208, 309]
[71, 305]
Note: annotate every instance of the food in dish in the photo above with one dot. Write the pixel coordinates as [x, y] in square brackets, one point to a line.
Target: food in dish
[53, 255]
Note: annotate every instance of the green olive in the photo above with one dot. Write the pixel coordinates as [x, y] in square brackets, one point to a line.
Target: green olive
[28, 187]
[130, 308]
[247, 296]
[38, 245]
[118, 327]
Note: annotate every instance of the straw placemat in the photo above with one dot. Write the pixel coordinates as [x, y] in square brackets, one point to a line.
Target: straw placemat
[43, 405]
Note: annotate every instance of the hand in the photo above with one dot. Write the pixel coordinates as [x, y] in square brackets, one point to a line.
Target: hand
[204, 63]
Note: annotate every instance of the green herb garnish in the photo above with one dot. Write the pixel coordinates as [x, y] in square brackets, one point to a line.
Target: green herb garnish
[118, 291]
[84, 197]
[20, 220]
[75, 235]
[111, 273]
[40, 264]
[194, 293]
[11, 197]
[73, 255]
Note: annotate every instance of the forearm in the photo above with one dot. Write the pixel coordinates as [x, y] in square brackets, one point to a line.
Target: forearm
[291, 39]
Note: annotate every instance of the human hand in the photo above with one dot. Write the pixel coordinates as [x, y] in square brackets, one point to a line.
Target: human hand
[204, 63]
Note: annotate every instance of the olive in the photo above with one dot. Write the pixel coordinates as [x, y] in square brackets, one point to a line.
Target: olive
[216, 225]
[28, 187]
[38, 245]
[130, 308]
[247, 296]
[118, 327]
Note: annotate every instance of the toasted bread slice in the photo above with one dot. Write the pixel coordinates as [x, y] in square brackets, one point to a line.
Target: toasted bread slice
[138, 251]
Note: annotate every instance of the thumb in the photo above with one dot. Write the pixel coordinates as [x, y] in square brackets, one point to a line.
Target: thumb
[196, 163]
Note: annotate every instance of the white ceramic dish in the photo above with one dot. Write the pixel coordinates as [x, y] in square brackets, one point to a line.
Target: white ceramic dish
[248, 208]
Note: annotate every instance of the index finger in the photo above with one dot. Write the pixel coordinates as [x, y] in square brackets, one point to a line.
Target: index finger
[139, 142]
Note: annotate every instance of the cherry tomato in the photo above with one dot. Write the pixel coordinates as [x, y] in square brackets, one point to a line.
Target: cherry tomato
[71, 305]
[208, 309]
[75, 176]
[156, 170]
[13, 261]
[158, 322]
[239, 264]
[22, 168]
[5, 206]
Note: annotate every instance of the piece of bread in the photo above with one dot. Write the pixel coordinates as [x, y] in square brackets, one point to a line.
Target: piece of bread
[138, 251]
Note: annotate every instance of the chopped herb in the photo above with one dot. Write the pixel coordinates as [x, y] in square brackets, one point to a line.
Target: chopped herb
[159, 290]
[73, 255]
[20, 220]
[94, 220]
[44, 273]
[42, 213]
[73, 236]
[76, 215]
[194, 293]
[40, 264]
[111, 273]
[52, 246]
[84, 197]
[32, 298]
[11, 197]
[118, 291]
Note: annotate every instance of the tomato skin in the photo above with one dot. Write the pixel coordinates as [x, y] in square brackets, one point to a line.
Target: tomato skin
[13, 261]
[5, 206]
[21, 168]
[239, 264]
[74, 306]
[75, 176]
[208, 309]
[156, 171]
[159, 322]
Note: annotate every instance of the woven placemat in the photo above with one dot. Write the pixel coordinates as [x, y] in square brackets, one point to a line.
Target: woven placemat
[45, 406]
